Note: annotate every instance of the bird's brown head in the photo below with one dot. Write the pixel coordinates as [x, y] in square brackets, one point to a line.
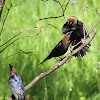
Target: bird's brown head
[12, 71]
[66, 38]
[72, 21]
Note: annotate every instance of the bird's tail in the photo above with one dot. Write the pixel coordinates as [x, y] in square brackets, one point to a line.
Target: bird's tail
[44, 60]
[82, 52]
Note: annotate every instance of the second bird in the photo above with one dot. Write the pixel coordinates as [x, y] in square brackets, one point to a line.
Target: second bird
[16, 84]
[61, 48]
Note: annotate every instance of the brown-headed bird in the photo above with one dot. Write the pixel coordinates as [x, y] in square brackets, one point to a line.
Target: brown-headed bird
[15, 83]
[78, 34]
[61, 48]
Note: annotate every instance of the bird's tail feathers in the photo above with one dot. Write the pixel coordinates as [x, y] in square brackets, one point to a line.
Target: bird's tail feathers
[82, 52]
[44, 60]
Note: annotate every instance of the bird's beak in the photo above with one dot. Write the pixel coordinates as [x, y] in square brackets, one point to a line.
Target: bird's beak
[71, 23]
[10, 67]
[70, 32]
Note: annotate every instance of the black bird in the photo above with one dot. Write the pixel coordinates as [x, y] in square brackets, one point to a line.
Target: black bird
[15, 83]
[61, 48]
[78, 34]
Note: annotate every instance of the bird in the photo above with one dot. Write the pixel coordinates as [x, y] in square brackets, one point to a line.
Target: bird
[79, 31]
[61, 48]
[15, 83]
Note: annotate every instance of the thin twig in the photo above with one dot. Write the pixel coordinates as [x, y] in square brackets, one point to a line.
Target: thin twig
[95, 25]
[18, 4]
[5, 18]
[97, 12]
[36, 28]
[58, 64]
[34, 51]
[51, 17]
[81, 5]
[61, 8]
[18, 39]
[21, 51]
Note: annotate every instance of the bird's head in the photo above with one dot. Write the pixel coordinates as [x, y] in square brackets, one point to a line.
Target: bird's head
[72, 21]
[67, 36]
[12, 71]
[70, 25]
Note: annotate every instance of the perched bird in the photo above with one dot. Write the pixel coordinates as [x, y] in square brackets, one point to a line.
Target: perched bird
[15, 83]
[78, 34]
[61, 48]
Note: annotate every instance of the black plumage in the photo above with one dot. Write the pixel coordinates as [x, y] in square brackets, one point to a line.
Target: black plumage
[78, 34]
[61, 48]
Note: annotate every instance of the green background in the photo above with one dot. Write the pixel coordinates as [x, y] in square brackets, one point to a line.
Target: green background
[77, 80]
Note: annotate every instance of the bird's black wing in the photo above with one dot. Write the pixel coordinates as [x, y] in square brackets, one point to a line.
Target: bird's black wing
[80, 35]
[80, 25]
[59, 49]
[65, 29]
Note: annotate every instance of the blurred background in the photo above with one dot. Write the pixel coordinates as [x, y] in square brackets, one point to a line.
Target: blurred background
[79, 79]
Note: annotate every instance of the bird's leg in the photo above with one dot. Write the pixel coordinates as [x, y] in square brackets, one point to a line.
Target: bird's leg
[61, 58]
[56, 59]
[71, 47]
[13, 97]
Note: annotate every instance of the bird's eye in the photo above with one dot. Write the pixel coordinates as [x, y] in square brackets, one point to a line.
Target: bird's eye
[71, 23]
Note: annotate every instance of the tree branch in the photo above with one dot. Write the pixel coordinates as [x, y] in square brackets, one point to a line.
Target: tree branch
[61, 8]
[58, 64]
[20, 38]
[35, 28]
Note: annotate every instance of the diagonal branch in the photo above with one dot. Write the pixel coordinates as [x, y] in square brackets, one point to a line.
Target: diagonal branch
[20, 38]
[35, 28]
[58, 64]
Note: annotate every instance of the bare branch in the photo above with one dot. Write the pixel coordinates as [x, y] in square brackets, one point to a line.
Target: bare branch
[5, 18]
[34, 51]
[61, 8]
[51, 17]
[97, 12]
[21, 51]
[95, 25]
[18, 4]
[18, 39]
[36, 28]
[81, 5]
[58, 64]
